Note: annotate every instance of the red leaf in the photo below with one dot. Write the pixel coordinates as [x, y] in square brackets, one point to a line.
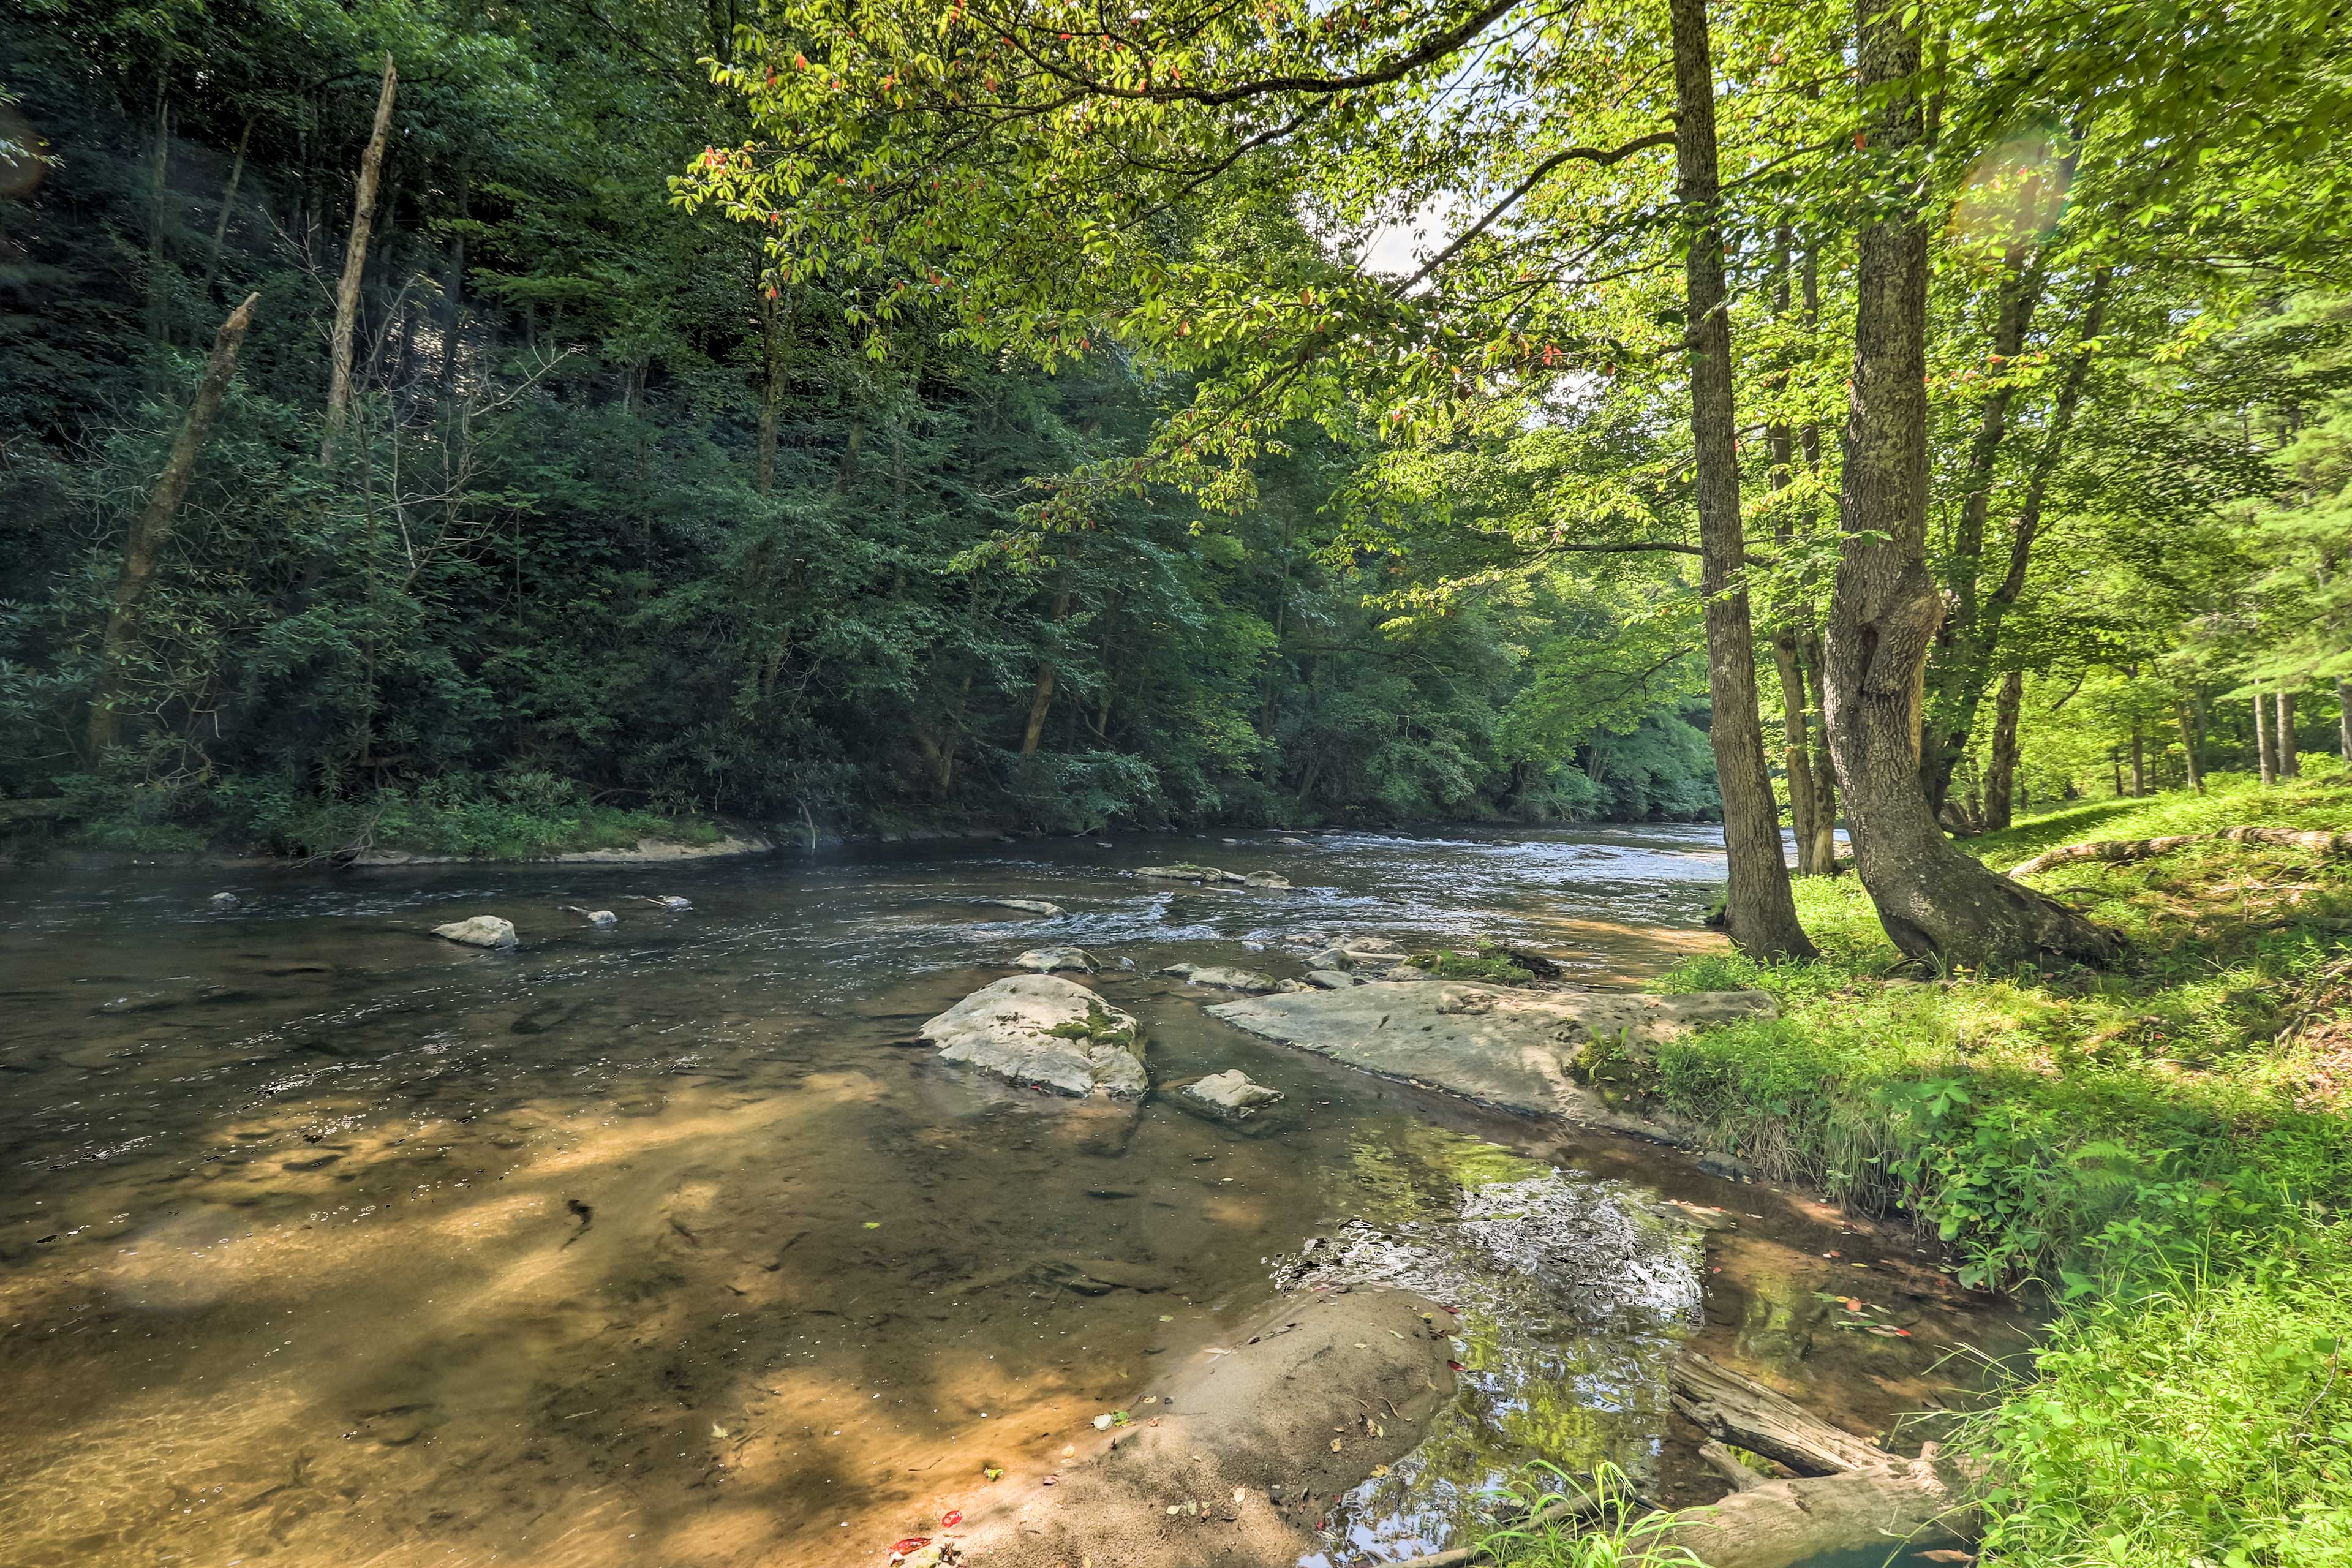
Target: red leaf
[1457, 1366]
[910, 1546]
[951, 1519]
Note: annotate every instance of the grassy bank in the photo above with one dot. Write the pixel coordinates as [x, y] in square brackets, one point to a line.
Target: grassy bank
[2162, 1147]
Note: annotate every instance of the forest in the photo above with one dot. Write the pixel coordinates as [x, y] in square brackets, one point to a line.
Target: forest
[1179, 466]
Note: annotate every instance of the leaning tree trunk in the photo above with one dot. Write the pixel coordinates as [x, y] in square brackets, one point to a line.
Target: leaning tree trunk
[1759, 910]
[152, 528]
[1936, 901]
[347, 294]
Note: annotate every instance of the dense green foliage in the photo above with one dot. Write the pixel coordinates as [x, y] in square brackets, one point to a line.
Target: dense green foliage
[629, 522]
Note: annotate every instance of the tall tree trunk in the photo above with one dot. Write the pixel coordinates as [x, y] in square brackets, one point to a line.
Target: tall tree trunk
[453, 287]
[2189, 748]
[2001, 766]
[1041, 697]
[1795, 765]
[772, 386]
[1760, 908]
[2139, 763]
[158, 184]
[151, 530]
[1935, 901]
[2344, 719]
[2288, 766]
[1823, 766]
[2265, 754]
[1971, 645]
[347, 294]
[228, 207]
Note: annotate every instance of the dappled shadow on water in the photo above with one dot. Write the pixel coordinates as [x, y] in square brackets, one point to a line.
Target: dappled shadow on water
[328, 1242]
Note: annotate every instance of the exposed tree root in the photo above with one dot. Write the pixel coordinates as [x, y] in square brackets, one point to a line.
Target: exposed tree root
[2129, 849]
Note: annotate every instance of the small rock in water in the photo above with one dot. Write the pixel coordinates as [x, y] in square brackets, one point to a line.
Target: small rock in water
[1299, 841]
[223, 902]
[1264, 880]
[1026, 906]
[1046, 960]
[480, 931]
[665, 900]
[593, 917]
[1233, 841]
[1329, 958]
[1220, 977]
[1233, 1091]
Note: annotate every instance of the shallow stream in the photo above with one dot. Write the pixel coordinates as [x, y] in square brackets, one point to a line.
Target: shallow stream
[324, 1241]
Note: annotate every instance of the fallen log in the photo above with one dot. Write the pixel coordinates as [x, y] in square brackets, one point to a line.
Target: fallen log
[2124, 850]
[1849, 1492]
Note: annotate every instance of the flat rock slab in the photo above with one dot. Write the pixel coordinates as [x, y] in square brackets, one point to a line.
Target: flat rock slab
[1498, 1043]
[1046, 959]
[1218, 978]
[1047, 1032]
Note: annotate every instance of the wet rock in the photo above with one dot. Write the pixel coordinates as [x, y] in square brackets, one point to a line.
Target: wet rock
[1296, 841]
[1508, 1047]
[1046, 960]
[1331, 979]
[1232, 1093]
[479, 930]
[1726, 1167]
[1372, 944]
[1045, 1031]
[223, 902]
[663, 900]
[1264, 880]
[593, 917]
[1182, 871]
[1026, 906]
[1218, 978]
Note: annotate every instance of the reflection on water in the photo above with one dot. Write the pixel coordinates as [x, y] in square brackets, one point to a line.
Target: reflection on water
[325, 1241]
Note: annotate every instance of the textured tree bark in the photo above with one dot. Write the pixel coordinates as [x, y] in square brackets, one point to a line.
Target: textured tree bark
[347, 294]
[1795, 764]
[152, 527]
[2000, 767]
[1936, 901]
[2288, 766]
[2265, 754]
[1760, 908]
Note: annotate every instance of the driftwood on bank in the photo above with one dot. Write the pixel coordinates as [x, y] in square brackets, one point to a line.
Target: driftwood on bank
[1848, 1492]
[2122, 851]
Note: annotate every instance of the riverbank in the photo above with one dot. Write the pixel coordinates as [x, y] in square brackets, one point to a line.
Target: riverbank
[2162, 1149]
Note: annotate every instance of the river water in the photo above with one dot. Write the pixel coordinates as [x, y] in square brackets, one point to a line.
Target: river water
[326, 1242]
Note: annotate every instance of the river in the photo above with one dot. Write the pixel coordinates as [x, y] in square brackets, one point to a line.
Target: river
[326, 1242]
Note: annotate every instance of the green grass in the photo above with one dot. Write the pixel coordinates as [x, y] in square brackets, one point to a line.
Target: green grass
[2163, 1146]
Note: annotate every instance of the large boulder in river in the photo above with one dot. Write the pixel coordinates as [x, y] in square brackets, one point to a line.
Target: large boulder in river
[1043, 1030]
[480, 931]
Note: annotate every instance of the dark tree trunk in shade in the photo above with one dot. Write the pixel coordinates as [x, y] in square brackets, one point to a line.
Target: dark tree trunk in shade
[2139, 762]
[1759, 910]
[2265, 754]
[1041, 697]
[1824, 768]
[151, 530]
[1936, 901]
[2288, 767]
